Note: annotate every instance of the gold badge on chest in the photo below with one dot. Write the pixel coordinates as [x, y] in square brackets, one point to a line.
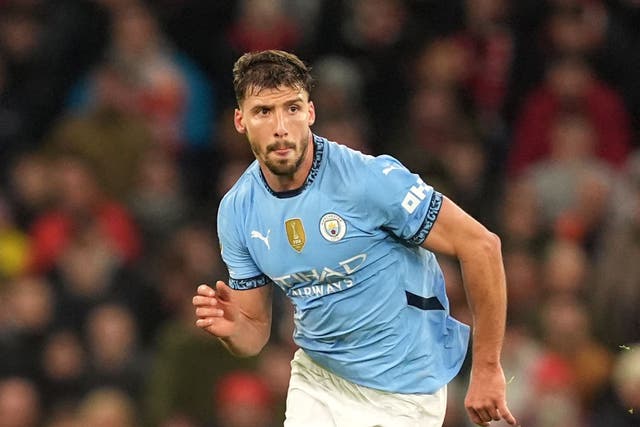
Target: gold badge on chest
[295, 233]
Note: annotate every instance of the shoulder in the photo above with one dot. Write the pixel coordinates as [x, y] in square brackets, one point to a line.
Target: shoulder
[354, 161]
[340, 152]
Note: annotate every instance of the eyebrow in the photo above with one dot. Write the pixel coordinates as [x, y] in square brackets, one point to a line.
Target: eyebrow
[287, 102]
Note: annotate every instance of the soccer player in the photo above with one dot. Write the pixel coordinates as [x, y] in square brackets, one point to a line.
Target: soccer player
[350, 239]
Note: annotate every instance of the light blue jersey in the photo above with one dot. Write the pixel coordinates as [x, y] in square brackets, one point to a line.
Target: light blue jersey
[370, 304]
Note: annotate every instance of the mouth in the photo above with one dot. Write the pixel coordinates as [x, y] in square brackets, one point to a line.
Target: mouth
[281, 150]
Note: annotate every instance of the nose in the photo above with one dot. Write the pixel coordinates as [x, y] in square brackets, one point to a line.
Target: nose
[281, 128]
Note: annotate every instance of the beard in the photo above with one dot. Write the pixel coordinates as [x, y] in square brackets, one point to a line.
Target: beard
[287, 166]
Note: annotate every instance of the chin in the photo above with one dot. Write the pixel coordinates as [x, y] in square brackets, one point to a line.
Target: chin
[281, 171]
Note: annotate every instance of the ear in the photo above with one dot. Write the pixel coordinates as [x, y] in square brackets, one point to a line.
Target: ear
[238, 121]
[312, 113]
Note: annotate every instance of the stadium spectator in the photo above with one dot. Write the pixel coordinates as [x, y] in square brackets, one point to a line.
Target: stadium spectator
[263, 24]
[488, 48]
[572, 184]
[109, 132]
[157, 199]
[19, 403]
[617, 408]
[114, 351]
[64, 367]
[170, 91]
[567, 334]
[242, 399]
[29, 187]
[28, 306]
[108, 407]
[80, 207]
[615, 282]
[570, 86]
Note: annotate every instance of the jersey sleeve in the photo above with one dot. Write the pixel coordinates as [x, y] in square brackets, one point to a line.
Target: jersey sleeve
[405, 205]
[243, 271]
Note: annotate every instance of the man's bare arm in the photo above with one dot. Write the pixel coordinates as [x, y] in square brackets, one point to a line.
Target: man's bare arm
[456, 233]
[240, 319]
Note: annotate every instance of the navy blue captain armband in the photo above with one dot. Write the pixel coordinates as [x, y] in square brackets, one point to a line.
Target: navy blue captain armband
[430, 218]
[250, 283]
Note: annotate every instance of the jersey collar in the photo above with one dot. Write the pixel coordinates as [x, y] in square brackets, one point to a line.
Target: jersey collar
[318, 151]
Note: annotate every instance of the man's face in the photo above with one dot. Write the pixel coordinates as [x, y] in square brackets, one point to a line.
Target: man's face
[277, 124]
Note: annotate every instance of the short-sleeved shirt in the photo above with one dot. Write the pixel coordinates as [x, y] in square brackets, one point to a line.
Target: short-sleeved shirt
[370, 302]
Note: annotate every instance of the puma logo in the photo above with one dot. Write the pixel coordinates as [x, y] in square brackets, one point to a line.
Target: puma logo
[257, 235]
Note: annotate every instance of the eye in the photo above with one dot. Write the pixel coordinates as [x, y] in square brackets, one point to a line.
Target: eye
[294, 108]
[263, 111]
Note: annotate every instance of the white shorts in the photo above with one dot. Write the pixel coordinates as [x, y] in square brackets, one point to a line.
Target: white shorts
[318, 398]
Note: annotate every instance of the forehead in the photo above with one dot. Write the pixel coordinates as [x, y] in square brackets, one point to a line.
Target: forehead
[281, 94]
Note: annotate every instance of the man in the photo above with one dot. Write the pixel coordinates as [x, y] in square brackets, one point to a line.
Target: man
[350, 239]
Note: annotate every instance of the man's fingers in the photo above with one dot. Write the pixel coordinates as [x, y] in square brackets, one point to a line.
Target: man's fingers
[205, 296]
[204, 312]
[204, 323]
[206, 290]
[207, 323]
[494, 413]
[506, 415]
[483, 417]
[476, 418]
[200, 301]
[224, 291]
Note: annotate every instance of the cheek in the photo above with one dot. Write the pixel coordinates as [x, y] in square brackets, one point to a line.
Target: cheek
[299, 124]
[254, 133]
[254, 142]
[257, 128]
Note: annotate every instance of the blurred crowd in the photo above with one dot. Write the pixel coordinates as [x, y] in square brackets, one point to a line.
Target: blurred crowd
[117, 142]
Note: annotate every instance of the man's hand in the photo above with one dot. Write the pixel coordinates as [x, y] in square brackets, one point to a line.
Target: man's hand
[215, 313]
[240, 319]
[485, 401]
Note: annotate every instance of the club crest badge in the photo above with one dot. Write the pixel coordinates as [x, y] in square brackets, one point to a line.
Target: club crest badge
[332, 227]
[295, 233]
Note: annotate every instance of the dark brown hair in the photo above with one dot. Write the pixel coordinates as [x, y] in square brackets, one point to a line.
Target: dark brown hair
[269, 69]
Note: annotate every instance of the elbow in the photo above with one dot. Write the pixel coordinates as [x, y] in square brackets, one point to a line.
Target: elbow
[245, 353]
[258, 348]
[491, 244]
[249, 348]
[486, 243]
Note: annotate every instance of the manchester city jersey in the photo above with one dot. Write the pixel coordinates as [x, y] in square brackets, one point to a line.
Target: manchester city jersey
[370, 303]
